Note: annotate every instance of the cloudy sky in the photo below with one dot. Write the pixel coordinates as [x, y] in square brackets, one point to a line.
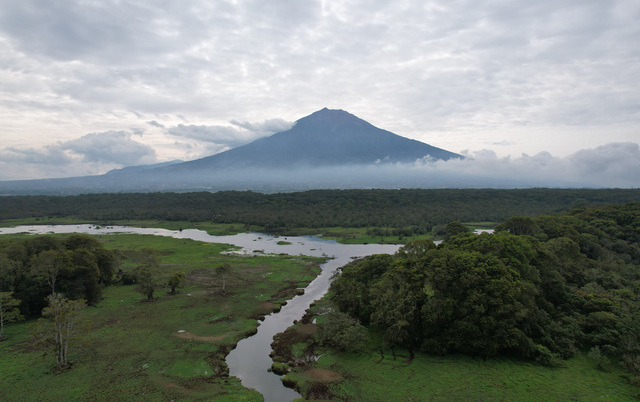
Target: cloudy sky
[91, 85]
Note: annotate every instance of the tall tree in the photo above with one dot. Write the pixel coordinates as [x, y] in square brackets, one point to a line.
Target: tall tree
[62, 325]
[10, 273]
[148, 273]
[49, 265]
[222, 270]
[8, 311]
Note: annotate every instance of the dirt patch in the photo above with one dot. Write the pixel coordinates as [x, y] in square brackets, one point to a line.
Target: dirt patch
[171, 385]
[308, 329]
[323, 375]
[190, 336]
[267, 305]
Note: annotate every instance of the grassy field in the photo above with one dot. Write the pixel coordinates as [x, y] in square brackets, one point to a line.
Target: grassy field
[136, 351]
[380, 374]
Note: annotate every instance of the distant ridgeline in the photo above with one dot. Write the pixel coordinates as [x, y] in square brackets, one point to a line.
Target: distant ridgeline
[542, 288]
[417, 210]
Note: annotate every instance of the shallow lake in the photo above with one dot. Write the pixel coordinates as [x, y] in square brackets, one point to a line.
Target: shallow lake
[250, 360]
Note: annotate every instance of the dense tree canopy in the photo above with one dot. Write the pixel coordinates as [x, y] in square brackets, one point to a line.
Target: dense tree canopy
[543, 288]
[76, 266]
[409, 211]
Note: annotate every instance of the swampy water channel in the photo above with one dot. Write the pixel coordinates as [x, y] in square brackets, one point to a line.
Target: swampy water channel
[250, 360]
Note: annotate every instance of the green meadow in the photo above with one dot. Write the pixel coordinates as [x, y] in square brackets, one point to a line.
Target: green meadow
[170, 348]
[383, 374]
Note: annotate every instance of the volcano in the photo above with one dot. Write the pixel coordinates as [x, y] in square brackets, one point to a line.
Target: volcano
[324, 138]
[327, 149]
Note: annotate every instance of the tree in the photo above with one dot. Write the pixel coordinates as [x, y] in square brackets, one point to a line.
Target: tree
[147, 277]
[77, 241]
[476, 303]
[148, 273]
[10, 273]
[222, 270]
[176, 279]
[62, 325]
[415, 249]
[454, 228]
[351, 285]
[342, 332]
[49, 265]
[108, 261]
[397, 299]
[8, 311]
[519, 226]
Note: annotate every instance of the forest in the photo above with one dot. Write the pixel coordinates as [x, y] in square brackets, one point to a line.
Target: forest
[541, 288]
[415, 210]
[78, 267]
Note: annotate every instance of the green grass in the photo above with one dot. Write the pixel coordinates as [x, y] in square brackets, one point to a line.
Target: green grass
[372, 377]
[376, 376]
[345, 235]
[135, 351]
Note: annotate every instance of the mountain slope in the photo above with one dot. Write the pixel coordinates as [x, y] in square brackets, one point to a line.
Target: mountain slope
[324, 138]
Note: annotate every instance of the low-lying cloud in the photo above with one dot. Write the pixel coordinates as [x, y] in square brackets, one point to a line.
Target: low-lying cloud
[110, 147]
[226, 137]
[609, 165]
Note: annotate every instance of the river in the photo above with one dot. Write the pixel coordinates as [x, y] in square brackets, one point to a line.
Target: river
[250, 360]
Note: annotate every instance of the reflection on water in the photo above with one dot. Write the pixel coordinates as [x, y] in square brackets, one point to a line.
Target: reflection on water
[250, 360]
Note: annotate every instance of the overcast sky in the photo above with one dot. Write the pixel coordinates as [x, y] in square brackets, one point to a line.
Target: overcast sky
[88, 86]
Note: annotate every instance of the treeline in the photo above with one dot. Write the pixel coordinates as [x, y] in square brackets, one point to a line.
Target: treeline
[418, 208]
[542, 288]
[37, 267]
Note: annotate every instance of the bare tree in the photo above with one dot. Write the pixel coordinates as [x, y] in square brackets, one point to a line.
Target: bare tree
[64, 323]
[222, 270]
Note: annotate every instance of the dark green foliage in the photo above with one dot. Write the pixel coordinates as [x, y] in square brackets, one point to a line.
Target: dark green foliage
[342, 332]
[352, 284]
[454, 228]
[35, 267]
[108, 261]
[176, 279]
[519, 226]
[147, 274]
[542, 288]
[408, 211]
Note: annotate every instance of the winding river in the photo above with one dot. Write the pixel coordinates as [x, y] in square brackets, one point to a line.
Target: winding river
[250, 360]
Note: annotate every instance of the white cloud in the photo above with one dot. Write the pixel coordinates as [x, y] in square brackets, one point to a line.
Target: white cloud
[225, 137]
[521, 75]
[92, 153]
[110, 147]
[610, 165]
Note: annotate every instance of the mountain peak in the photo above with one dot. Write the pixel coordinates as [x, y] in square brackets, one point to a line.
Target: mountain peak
[332, 118]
